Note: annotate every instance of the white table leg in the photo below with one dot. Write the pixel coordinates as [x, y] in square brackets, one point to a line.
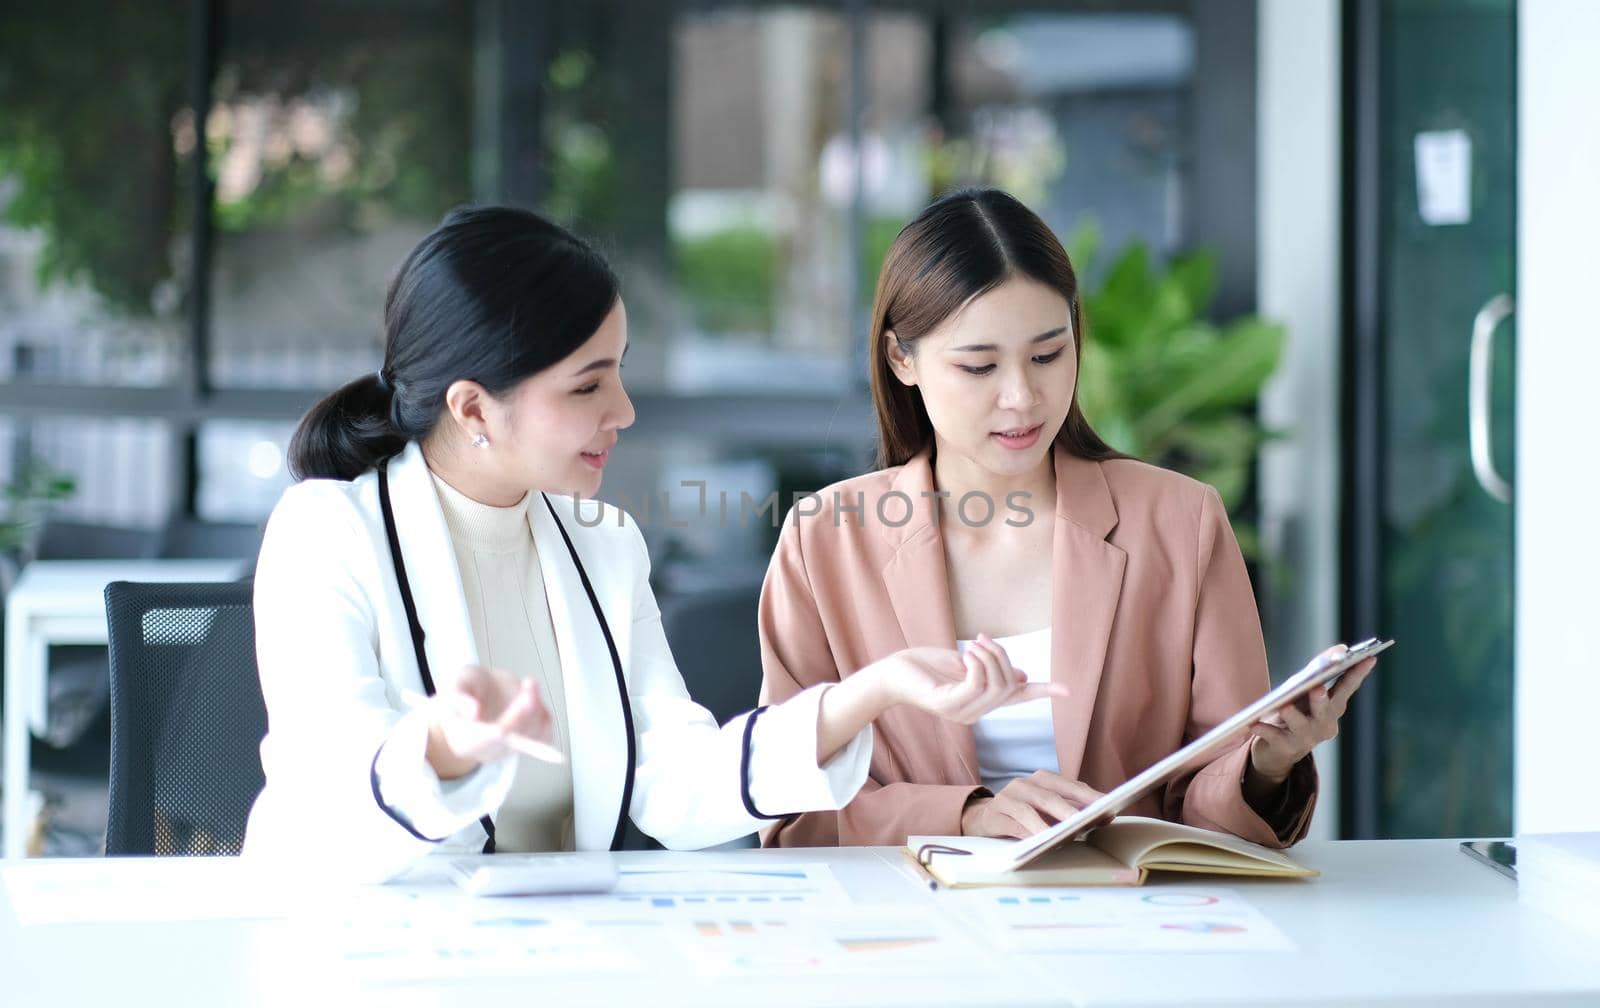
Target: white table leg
[17, 708]
[37, 689]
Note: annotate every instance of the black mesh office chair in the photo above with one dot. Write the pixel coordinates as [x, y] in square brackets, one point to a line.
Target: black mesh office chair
[187, 717]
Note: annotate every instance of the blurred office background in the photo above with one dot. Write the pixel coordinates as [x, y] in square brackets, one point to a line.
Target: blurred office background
[201, 204]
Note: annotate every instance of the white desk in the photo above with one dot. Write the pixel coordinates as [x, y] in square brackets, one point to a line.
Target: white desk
[1389, 922]
[63, 602]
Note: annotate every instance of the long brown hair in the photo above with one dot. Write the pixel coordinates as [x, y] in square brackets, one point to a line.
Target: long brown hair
[965, 244]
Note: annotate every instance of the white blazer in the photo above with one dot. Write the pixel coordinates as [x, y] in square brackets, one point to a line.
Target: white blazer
[348, 787]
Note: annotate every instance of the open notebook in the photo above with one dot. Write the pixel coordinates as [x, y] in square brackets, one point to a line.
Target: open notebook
[978, 861]
[1123, 852]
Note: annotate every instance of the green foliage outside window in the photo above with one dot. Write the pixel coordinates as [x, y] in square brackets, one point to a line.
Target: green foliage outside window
[1162, 382]
[729, 279]
[97, 131]
[89, 93]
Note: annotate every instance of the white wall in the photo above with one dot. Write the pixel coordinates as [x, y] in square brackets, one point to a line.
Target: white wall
[1558, 372]
[1297, 280]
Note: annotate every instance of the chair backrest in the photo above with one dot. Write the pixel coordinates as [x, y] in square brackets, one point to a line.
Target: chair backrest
[187, 717]
[70, 540]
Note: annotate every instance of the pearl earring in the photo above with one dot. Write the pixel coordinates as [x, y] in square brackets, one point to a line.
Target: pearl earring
[480, 440]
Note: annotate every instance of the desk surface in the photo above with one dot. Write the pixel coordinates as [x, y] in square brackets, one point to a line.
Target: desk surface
[70, 581]
[1389, 922]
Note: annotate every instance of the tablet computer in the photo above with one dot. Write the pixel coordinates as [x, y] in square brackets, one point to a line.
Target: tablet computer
[1325, 669]
[1501, 855]
[535, 874]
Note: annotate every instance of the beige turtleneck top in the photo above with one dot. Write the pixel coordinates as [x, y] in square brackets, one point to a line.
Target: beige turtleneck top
[504, 588]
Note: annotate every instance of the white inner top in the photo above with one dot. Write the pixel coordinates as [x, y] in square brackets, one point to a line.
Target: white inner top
[1017, 740]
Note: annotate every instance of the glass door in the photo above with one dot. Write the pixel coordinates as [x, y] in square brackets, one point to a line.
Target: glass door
[1429, 413]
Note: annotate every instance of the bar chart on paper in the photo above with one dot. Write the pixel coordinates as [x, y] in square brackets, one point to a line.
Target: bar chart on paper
[837, 941]
[1160, 919]
[726, 887]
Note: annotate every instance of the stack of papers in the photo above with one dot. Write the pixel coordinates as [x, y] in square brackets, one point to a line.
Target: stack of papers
[1559, 874]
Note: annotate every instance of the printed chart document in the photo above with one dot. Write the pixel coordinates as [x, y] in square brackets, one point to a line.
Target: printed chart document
[1159, 919]
[733, 884]
[852, 940]
[450, 938]
[723, 920]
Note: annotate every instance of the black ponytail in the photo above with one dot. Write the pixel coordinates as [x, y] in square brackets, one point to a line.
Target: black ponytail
[346, 433]
[493, 295]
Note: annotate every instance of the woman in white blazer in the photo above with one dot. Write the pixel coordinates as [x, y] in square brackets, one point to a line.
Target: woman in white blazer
[379, 583]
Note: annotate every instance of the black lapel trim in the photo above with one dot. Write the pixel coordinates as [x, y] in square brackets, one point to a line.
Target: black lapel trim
[417, 638]
[616, 666]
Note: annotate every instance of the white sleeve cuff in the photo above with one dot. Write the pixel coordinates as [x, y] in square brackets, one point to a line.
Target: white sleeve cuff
[783, 774]
[412, 792]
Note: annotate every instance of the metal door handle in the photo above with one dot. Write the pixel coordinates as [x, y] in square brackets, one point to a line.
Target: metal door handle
[1484, 324]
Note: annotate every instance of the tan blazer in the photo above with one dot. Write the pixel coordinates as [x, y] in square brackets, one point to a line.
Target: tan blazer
[1155, 632]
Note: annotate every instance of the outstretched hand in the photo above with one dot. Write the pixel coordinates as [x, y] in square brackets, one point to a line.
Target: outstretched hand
[960, 687]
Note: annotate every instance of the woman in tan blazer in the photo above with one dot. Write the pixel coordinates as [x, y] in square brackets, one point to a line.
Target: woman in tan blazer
[997, 514]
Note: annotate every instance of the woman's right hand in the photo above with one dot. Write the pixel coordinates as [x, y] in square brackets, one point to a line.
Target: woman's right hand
[1027, 805]
[473, 719]
[959, 687]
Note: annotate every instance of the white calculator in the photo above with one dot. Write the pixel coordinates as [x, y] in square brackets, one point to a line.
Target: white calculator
[535, 874]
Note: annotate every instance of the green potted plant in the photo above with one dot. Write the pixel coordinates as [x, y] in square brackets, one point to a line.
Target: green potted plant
[23, 505]
[1162, 382]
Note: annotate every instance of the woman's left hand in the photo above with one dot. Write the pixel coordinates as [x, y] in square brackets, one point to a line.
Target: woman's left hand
[957, 687]
[1284, 741]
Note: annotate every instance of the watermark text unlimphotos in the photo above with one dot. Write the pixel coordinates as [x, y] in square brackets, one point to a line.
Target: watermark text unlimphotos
[894, 509]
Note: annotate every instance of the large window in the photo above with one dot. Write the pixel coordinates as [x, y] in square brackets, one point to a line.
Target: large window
[339, 134]
[96, 162]
[196, 244]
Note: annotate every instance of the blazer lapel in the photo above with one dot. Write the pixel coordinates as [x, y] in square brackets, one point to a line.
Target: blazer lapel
[919, 590]
[431, 568]
[594, 708]
[1086, 583]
